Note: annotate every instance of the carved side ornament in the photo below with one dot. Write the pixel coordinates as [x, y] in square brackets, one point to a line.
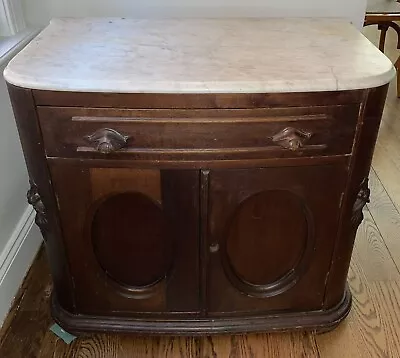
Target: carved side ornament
[361, 201]
[35, 200]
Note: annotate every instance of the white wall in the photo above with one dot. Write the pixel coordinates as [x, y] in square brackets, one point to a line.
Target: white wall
[19, 238]
[13, 175]
[39, 12]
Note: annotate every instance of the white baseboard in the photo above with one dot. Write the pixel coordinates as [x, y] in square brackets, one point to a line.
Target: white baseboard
[16, 259]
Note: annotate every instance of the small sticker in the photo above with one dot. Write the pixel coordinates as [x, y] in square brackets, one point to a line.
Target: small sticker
[63, 334]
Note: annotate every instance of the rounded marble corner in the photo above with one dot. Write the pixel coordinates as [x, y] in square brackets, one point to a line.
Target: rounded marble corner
[7, 76]
[381, 79]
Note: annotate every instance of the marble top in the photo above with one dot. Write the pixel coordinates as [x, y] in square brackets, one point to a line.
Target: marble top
[199, 56]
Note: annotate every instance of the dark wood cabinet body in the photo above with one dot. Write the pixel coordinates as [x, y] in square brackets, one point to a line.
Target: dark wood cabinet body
[201, 218]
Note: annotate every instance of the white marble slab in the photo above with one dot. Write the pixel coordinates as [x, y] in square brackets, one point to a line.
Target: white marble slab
[199, 56]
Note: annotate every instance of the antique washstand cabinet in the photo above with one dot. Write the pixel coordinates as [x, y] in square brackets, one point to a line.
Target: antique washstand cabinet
[199, 176]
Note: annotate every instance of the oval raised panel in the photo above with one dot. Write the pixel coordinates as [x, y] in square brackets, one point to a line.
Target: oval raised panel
[131, 240]
[266, 241]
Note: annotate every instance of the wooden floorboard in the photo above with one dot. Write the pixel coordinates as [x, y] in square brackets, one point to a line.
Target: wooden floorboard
[24, 335]
[260, 345]
[371, 330]
[386, 216]
[372, 254]
[351, 338]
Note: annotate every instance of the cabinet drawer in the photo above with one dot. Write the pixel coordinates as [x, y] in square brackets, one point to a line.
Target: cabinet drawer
[198, 134]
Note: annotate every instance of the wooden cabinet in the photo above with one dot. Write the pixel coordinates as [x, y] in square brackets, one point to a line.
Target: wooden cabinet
[198, 214]
[195, 178]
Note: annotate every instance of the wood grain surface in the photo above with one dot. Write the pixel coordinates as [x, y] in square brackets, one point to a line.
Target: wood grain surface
[371, 330]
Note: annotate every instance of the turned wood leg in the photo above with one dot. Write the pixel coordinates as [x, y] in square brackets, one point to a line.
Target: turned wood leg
[397, 65]
[383, 28]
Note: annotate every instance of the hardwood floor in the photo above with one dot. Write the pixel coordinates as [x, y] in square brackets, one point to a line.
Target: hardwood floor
[371, 330]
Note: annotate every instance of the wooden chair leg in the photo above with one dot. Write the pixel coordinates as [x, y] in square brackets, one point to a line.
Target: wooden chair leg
[383, 28]
[397, 65]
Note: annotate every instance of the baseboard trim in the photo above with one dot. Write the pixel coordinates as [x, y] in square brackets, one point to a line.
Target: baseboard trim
[16, 259]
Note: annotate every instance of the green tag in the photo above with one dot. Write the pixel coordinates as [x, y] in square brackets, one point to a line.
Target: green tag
[64, 335]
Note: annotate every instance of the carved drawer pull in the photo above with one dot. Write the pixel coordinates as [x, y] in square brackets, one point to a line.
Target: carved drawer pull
[107, 140]
[291, 138]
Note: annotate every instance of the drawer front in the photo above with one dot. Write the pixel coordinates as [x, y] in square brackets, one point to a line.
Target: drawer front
[198, 134]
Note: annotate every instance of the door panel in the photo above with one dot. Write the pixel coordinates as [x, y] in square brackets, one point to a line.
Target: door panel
[271, 237]
[256, 229]
[141, 242]
[131, 237]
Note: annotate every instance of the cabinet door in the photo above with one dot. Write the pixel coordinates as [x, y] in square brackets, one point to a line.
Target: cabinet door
[271, 235]
[131, 237]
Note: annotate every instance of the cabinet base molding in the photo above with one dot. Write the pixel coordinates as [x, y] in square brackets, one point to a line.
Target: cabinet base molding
[320, 321]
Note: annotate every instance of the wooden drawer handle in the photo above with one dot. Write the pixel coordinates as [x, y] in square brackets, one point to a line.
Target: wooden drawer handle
[291, 138]
[107, 140]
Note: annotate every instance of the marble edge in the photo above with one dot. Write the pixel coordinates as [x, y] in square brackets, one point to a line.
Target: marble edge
[332, 84]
